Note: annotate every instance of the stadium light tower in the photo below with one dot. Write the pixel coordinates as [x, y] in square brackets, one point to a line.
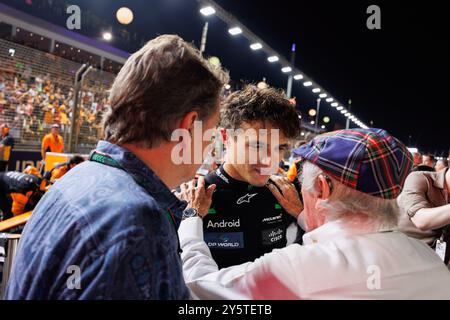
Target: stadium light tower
[290, 78]
[235, 31]
[207, 11]
[347, 122]
[256, 46]
[204, 37]
[209, 7]
[317, 114]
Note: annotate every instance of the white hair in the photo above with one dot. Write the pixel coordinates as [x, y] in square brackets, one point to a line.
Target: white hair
[349, 204]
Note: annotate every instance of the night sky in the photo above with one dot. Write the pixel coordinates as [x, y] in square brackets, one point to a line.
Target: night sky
[395, 77]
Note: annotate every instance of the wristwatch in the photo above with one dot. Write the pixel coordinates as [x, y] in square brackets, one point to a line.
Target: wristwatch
[190, 213]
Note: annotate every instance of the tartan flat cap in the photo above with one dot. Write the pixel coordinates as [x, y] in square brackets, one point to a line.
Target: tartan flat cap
[368, 160]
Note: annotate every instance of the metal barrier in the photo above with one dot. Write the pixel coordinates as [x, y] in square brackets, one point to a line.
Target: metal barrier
[12, 241]
[19, 220]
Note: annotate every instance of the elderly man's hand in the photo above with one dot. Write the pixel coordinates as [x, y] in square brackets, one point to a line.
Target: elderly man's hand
[288, 198]
[197, 195]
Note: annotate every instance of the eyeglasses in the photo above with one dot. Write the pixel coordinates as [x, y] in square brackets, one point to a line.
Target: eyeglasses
[330, 183]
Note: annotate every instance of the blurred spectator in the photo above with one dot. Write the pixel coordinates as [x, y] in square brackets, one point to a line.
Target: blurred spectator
[417, 159]
[61, 169]
[293, 171]
[428, 160]
[31, 105]
[441, 164]
[425, 208]
[52, 142]
[6, 146]
[19, 192]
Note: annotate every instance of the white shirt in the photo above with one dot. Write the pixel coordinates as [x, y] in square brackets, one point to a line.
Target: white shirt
[334, 263]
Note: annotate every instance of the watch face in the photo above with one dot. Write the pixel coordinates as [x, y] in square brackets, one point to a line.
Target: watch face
[190, 212]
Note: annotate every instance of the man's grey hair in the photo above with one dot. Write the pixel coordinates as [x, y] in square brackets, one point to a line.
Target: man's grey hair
[349, 204]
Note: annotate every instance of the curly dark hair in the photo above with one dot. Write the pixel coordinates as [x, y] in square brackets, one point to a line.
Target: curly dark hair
[262, 105]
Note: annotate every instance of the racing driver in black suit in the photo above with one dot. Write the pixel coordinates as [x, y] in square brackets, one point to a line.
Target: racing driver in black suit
[245, 219]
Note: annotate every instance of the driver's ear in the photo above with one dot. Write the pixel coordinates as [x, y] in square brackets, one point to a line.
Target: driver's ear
[227, 137]
[324, 187]
[224, 135]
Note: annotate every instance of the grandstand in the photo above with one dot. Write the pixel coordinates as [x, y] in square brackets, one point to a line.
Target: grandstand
[37, 71]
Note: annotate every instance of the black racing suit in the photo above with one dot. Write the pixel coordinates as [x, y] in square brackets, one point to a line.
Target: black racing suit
[18, 182]
[244, 221]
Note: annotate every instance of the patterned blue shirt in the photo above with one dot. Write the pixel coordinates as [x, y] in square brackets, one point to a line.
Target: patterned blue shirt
[114, 227]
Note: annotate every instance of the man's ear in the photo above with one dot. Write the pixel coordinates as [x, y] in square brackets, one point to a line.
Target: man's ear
[323, 187]
[187, 122]
[227, 137]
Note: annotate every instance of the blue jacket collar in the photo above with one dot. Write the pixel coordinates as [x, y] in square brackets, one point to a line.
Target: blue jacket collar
[144, 176]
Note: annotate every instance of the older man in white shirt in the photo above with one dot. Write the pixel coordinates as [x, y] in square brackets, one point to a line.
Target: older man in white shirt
[352, 248]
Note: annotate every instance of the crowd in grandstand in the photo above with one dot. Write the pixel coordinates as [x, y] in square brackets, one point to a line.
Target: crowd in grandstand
[32, 105]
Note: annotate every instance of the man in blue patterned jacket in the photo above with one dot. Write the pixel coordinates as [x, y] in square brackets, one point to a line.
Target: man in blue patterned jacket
[107, 229]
